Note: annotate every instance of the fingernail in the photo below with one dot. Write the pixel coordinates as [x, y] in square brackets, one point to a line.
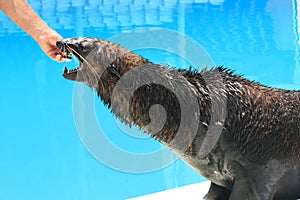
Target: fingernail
[66, 60]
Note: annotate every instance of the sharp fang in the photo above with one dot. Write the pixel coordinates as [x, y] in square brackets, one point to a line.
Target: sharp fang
[66, 71]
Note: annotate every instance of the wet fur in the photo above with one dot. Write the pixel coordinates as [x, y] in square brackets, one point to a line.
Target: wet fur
[257, 155]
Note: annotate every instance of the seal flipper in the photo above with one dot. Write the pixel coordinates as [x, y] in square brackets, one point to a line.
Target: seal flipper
[217, 192]
[244, 186]
[243, 189]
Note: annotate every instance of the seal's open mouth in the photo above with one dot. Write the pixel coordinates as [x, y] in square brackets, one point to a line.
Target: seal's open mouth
[68, 50]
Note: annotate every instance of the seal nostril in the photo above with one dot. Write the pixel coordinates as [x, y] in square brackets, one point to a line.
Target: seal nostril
[59, 44]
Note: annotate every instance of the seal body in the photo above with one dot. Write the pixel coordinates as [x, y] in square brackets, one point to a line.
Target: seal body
[247, 138]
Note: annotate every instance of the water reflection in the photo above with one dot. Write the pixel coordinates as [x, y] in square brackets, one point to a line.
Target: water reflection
[253, 36]
[111, 14]
[259, 31]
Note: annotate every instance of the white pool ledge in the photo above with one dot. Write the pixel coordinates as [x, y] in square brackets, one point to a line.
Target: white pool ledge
[191, 192]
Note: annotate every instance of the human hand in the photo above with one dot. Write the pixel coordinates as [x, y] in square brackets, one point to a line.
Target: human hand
[47, 41]
[23, 15]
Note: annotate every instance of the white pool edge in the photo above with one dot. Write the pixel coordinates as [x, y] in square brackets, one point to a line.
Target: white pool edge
[194, 191]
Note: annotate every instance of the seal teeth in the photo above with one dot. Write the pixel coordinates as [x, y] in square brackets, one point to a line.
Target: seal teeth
[66, 71]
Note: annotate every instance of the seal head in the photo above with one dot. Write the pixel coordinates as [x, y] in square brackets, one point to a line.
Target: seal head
[82, 48]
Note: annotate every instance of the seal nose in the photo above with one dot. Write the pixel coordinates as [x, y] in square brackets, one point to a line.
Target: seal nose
[59, 44]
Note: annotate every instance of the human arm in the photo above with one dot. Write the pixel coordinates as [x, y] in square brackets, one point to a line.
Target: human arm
[24, 16]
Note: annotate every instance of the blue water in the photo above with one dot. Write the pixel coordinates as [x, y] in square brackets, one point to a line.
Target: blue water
[41, 153]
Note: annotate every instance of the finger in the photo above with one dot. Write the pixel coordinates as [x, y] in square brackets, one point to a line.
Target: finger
[60, 58]
[55, 55]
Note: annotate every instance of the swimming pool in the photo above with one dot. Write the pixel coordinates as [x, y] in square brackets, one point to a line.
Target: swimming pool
[42, 155]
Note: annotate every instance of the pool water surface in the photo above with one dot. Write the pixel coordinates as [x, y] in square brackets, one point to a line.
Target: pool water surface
[41, 150]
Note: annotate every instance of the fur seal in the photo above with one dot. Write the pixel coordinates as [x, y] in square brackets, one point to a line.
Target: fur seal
[257, 155]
